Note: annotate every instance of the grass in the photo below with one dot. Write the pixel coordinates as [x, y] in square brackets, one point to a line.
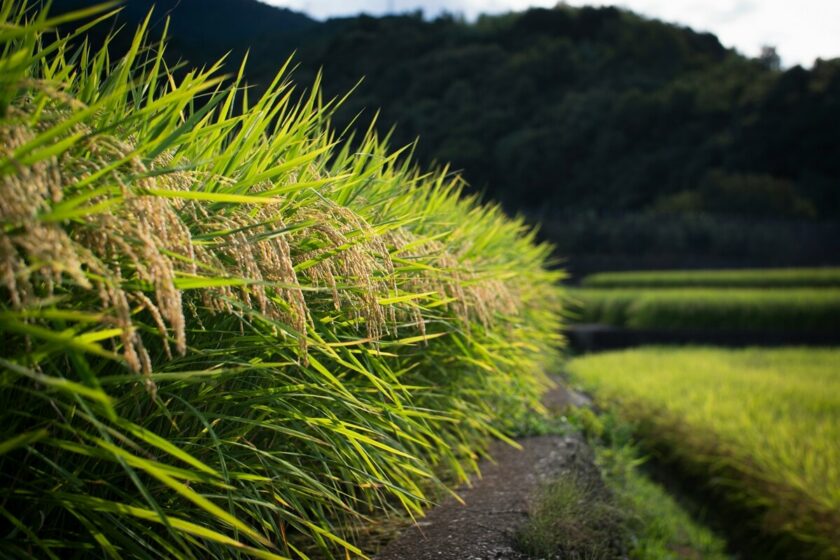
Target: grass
[657, 526]
[760, 426]
[612, 510]
[800, 309]
[228, 331]
[662, 528]
[573, 517]
[746, 278]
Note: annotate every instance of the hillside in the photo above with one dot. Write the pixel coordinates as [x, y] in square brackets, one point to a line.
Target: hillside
[575, 117]
[597, 109]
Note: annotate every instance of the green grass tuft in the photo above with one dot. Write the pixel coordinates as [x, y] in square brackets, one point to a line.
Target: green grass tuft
[656, 525]
[573, 517]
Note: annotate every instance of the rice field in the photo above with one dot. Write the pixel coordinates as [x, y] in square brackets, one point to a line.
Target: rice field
[228, 331]
[745, 278]
[760, 426]
[780, 309]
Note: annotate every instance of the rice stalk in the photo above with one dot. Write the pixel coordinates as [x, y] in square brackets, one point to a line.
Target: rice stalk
[227, 333]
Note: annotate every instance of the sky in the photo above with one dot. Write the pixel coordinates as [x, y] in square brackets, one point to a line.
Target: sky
[801, 30]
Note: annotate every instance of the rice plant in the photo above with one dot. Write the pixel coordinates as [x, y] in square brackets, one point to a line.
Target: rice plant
[743, 278]
[760, 426]
[757, 309]
[229, 331]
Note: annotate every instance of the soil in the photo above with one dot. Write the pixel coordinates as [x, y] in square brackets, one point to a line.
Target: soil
[497, 504]
[596, 337]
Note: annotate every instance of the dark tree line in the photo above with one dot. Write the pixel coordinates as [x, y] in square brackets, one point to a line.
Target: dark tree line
[597, 109]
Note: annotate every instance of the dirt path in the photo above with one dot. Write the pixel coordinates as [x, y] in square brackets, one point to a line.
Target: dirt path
[497, 504]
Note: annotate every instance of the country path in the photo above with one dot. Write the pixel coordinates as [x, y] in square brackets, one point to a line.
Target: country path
[483, 527]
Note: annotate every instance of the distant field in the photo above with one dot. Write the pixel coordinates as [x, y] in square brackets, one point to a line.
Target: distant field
[762, 425]
[800, 309]
[753, 278]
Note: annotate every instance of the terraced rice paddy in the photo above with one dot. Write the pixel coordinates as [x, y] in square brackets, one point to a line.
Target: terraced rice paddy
[746, 278]
[761, 426]
[799, 309]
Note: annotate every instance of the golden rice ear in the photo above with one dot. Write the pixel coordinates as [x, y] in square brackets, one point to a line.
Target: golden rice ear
[145, 229]
[153, 310]
[363, 261]
[26, 193]
[139, 230]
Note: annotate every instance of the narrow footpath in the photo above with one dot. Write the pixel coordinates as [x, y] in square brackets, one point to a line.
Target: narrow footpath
[496, 505]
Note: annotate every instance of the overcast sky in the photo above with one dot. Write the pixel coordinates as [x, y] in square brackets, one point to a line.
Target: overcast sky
[801, 30]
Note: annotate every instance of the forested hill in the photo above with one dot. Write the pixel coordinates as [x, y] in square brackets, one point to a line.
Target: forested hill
[598, 108]
[564, 110]
[202, 31]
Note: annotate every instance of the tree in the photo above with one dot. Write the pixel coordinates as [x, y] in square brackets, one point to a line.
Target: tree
[770, 58]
